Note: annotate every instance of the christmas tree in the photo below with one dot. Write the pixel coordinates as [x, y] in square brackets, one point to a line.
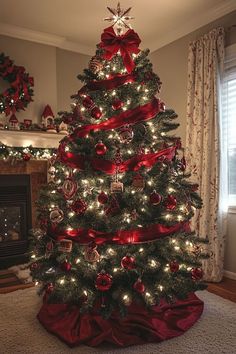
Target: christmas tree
[115, 216]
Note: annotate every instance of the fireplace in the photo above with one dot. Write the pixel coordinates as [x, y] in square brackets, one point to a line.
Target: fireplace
[20, 183]
[15, 218]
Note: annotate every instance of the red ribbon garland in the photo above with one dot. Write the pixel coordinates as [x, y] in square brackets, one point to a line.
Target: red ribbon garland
[121, 237]
[107, 166]
[132, 116]
[127, 43]
[108, 84]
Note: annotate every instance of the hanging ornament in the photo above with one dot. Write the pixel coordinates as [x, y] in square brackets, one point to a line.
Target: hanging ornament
[117, 104]
[138, 182]
[171, 202]
[34, 266]
[87, 102]
[117, 187]
[66, 266]
[65, 246]
[26, 156]
[100, 148]
[133, 215]
[38, 233]
[155, 198]
[91, 254]
[69, 187]
[79, 206]
[174, 266]
[103, 281]
[117, 159]
[95, 64]
[96, 113]
[102, 198]
[49, 288]
[126, 134]
[128, 262]
[139, 286]
[196, 273]
[56, 215]
[49, 249]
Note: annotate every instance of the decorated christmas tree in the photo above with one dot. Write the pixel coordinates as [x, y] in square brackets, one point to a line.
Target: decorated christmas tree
[115, 251]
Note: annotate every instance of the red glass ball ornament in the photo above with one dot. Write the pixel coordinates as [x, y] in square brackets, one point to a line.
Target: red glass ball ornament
[96, 113]
[155, 198]
[103, 281]
[128, 262]
[26, 157]
[171, 202]
[174, 266]
[79, 206]
[100, 148]
[87, 102]
[117, 104]
[66, 266]
[49, 288]
[102, 198]
[34, 266]
[197, 273]
[139, 286]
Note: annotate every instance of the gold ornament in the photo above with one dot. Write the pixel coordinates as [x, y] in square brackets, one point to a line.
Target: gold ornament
[95, 65]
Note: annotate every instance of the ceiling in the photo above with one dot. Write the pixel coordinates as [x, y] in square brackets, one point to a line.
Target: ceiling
[77, 24]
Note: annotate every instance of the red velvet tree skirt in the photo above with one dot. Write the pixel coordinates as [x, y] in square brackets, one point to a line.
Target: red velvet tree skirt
[139, 326]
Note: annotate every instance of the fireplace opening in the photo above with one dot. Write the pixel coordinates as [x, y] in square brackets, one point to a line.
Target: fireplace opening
[15, 219]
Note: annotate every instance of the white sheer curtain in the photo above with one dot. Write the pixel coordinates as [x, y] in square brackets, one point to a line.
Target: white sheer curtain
[205, 63]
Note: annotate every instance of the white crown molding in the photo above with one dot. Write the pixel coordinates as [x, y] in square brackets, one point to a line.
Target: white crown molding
[43, 38]
[199, 21]
[61, 42]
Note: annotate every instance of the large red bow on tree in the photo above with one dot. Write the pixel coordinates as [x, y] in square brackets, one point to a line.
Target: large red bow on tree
[127, 44]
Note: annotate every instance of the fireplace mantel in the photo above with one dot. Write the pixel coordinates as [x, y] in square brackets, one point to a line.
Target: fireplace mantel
[37, 139]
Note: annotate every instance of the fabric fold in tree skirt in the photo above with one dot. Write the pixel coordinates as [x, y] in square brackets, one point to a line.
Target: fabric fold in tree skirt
[140, 326]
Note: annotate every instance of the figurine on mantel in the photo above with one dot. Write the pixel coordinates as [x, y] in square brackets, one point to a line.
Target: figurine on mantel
[48, 120]
[14, 123]
[63, 128]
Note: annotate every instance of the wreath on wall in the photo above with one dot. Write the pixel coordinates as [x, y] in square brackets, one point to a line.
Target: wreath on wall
[20, 92]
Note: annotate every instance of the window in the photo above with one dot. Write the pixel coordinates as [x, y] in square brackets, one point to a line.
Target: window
[228, 120]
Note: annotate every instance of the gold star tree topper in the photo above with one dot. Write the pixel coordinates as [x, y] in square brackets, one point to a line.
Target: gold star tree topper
[119, 17]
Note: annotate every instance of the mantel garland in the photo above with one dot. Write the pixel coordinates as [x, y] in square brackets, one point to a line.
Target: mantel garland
[25, 153]
[20, 92]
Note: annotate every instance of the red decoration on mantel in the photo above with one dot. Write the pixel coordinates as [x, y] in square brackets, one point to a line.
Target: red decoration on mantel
[47, 112]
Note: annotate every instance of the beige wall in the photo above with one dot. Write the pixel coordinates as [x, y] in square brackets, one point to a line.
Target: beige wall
[54, 71]
[170, 62]
[68, 66]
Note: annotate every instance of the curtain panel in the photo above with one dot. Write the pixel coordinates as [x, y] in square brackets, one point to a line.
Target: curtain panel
[205, 64]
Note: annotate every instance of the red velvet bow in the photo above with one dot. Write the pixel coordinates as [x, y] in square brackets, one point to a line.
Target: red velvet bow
[127, 43]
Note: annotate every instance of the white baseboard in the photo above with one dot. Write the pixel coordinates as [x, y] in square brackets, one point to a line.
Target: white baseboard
[229, 274]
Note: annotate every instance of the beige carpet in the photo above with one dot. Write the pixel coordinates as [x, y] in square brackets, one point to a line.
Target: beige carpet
[20, 332]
